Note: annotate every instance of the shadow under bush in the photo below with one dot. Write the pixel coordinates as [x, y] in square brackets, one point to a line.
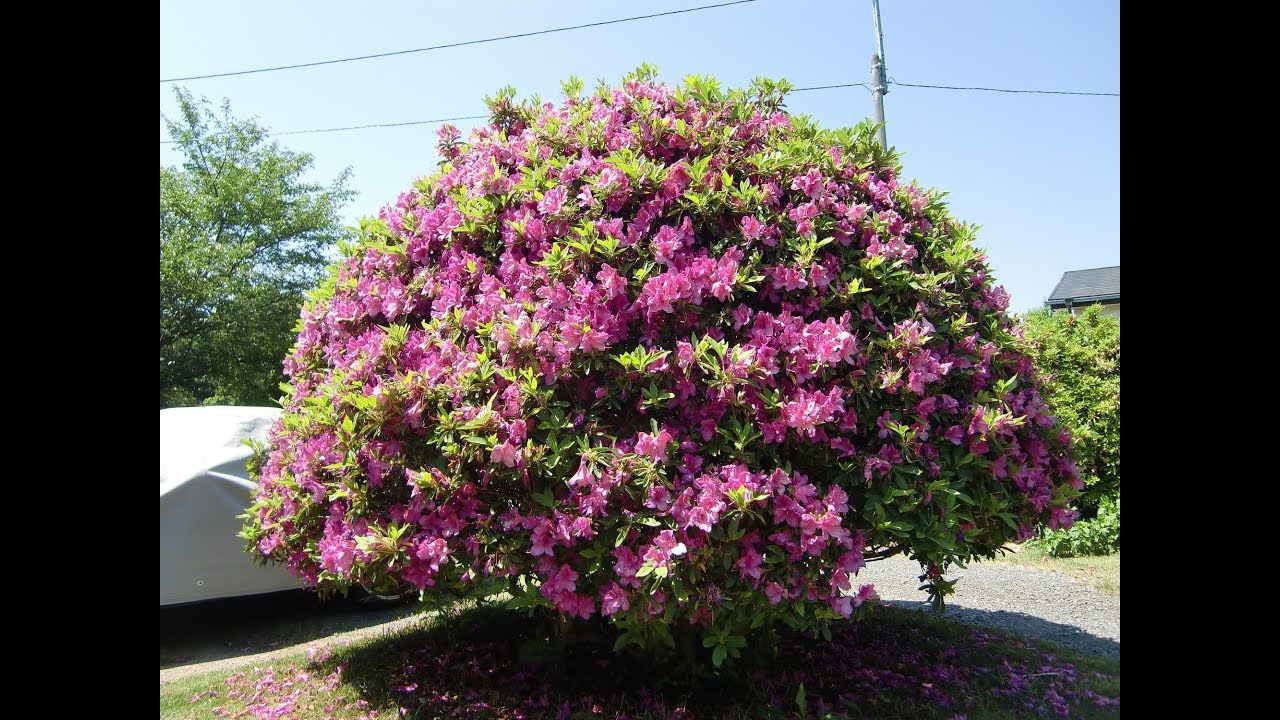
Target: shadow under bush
[495, 663]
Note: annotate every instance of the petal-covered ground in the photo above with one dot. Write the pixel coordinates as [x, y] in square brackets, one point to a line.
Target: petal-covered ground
[489, 663]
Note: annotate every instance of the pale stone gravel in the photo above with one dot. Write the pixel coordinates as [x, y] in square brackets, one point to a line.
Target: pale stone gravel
[1027, 601]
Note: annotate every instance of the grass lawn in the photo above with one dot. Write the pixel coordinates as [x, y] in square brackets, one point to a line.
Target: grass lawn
[497, 664]
[1103, 572]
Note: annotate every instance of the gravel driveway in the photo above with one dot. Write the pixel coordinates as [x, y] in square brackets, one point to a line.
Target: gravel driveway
[1039, 603]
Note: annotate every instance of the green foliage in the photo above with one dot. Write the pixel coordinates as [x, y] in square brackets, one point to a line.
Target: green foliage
[1097, 536]
[1080, 356]
[242, 236]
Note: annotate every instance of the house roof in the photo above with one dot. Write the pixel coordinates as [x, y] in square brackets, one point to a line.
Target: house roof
[1093, 285]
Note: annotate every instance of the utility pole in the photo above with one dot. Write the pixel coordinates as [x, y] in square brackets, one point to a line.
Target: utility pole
[879, 77]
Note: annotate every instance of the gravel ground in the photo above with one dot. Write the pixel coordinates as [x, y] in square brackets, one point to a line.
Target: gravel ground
[1038, 603]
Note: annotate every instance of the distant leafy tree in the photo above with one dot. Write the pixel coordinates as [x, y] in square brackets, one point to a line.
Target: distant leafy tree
[242, 236]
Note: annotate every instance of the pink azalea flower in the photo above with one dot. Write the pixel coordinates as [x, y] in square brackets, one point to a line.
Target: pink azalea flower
[506, 453]
[543, 543]
[841, 605]
[613, 599]
[552, 201]
[563, 581]
[865, 593]
[583, 477]
[654, 446]
[749, 563]
[612, 282]
[774, 592]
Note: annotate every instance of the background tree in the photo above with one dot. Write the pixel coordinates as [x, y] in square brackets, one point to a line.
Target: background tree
[243, 235]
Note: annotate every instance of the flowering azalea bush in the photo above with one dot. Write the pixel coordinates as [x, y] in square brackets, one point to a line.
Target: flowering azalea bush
[670, 357]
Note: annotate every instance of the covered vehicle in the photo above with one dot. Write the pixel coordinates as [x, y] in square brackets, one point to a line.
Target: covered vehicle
[204, 486]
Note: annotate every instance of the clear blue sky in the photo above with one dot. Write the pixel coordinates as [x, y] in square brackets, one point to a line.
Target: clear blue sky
[1039, 173]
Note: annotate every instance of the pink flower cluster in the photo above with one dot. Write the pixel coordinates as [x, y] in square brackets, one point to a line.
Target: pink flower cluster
[637, 353]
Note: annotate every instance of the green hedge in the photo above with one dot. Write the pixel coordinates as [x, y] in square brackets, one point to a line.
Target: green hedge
[1097, 536]
[1080, 358]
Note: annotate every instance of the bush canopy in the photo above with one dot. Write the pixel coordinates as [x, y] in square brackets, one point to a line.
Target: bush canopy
[668, 356]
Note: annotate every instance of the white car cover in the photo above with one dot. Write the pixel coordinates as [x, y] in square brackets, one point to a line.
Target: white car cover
[204, 485]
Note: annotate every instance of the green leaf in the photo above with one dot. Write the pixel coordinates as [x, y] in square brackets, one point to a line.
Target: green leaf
[630, 637]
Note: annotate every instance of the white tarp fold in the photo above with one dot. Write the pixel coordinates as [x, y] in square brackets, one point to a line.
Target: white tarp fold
[204, 485]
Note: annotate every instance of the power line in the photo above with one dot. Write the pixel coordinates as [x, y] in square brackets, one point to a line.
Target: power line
[458, 44]
[387, 124]
[1004, 90]
[384, 125]
[366, 127]
[474, 117]
[864, 86]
